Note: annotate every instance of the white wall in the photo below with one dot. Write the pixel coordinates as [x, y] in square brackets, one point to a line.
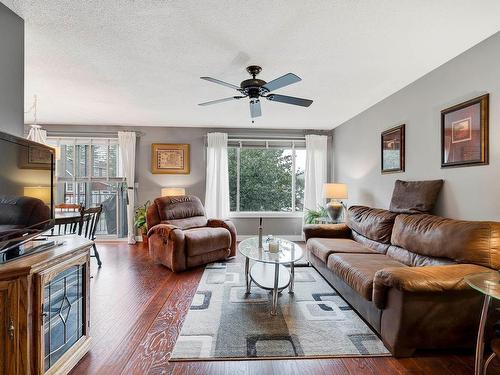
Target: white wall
[468, 192]
[11, 72]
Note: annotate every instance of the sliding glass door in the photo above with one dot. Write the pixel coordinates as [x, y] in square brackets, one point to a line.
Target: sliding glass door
[89, 173]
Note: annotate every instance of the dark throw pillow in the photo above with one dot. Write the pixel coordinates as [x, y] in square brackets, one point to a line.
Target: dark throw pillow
[415, 197]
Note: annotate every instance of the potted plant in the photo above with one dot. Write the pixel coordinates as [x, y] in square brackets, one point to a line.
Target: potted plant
[140, 221]
[312, 216]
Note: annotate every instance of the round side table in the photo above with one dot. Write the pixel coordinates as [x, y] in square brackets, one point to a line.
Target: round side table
[487, 283]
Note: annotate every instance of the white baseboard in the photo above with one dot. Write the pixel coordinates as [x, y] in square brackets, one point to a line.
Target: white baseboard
[285, 237]
[245, 236]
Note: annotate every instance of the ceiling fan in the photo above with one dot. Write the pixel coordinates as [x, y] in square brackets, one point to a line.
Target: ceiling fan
[255, 88]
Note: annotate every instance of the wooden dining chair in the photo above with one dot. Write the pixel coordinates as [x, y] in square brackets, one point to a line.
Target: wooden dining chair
[88, 228]
[67, 225]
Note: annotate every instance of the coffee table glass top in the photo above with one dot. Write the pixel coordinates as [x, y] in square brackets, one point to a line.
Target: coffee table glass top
[486, 282]
[289, 251]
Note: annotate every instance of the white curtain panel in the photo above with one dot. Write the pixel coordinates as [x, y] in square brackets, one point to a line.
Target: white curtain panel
[316, 172]
[217, 188]
[37, 134]
[126, 141]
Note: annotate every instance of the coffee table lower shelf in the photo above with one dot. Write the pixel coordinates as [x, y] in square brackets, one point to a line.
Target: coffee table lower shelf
[263, 275]
[274, 277]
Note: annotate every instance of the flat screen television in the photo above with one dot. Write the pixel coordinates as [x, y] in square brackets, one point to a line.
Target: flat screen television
[26, 193]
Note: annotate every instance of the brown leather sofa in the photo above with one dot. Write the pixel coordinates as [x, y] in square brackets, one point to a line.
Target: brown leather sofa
[404, 273]
[180, 236]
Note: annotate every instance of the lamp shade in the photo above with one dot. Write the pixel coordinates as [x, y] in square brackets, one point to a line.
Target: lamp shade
[172, 192]
[335, 191]
[40, 192]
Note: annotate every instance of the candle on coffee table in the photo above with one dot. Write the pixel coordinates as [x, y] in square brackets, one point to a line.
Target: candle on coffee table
[274, 247]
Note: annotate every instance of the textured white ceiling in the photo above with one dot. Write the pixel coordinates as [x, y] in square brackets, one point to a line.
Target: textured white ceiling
[113, 62]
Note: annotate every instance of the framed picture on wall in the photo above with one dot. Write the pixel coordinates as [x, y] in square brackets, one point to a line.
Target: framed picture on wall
[393, 150]
[464, 133]
[34, 157]
[169, 158]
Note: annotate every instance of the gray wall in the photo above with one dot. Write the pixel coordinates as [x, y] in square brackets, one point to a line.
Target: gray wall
[468, 192]
[150, 184]
[11, 71]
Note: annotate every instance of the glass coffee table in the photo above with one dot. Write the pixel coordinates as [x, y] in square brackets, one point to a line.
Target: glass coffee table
[269, 271]
[487, 283]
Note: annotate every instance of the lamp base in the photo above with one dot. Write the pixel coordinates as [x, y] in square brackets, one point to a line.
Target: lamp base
[335, 210]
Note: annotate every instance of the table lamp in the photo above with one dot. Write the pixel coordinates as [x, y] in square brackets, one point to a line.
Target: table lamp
[172, 191]
[40, 192]
[335, 207]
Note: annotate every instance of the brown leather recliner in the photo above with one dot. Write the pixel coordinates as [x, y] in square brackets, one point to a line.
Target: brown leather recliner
[180, 236]
[404, 273]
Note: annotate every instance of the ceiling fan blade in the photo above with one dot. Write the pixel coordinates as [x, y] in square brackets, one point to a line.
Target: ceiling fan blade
[210, 79]
[289, 100]
[282, 81]
[255, 110]
[222, 100]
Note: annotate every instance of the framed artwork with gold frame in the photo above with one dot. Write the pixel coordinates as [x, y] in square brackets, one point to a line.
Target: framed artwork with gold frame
[464, 133]
[167, 158]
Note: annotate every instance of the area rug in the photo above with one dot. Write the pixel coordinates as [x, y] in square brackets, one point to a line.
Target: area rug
[225, 323]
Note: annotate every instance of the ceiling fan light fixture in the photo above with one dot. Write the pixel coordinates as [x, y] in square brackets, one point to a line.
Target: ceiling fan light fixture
[255, 89]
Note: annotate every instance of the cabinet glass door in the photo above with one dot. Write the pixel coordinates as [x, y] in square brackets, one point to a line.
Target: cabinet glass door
[64, 313]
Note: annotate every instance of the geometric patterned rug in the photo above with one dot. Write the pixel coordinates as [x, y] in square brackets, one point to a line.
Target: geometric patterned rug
[225, 323]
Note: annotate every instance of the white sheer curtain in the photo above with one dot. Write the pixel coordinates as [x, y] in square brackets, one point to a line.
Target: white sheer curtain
[316, 173]
[126, 141]
[37, 134]
[217, 187]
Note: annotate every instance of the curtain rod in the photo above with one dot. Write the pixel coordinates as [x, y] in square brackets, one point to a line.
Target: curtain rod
[266, 139]
[88, 134]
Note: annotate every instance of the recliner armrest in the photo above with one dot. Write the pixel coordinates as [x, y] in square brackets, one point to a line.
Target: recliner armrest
[436, 279]
[163, 230]
[326, 231]
[227, 224]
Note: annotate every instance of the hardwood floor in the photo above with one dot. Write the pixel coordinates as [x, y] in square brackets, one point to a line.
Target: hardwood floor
[137, 311]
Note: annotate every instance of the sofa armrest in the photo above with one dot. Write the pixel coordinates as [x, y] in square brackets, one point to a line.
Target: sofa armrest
[326, 231]
[227, 224]
[434, 279]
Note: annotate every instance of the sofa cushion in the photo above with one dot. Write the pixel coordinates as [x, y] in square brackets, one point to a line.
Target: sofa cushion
[204, 240]
[358, 270]
[414, 259]
[475, 242]
[415, 196]
[323, 247]
[374, 245]
[373, 223]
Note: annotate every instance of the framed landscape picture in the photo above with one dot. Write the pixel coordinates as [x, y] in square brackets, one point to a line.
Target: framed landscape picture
[393, 150]
[169, 158]
[464, 133]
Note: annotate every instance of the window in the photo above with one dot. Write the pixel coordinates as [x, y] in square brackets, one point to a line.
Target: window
[266, 176]
[89, 173]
